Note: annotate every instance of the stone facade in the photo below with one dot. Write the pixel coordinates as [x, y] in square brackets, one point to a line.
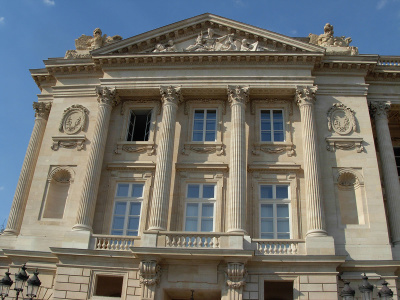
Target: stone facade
[215, 157]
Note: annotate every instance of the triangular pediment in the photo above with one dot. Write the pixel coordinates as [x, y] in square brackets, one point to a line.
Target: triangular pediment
[207, 33]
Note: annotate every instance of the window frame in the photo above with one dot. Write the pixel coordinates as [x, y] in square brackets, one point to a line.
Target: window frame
[271, 113]
[149, 115]
[200, 201]
[93, 283]
[275, 202]
[204, 129]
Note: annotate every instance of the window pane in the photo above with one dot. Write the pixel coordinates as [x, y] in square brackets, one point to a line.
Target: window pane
[210, 125]
[265, 115]
[208, 191]
[265, 125]
[265, 136]
[211, 114]
[210, 136]
[267, 226]
[278, 136]
[198, 125]
[137, 190]
[197, 136]
[283, 225]
[120, 208]
[122, 190]
[207, 210]
[132, 233]
[118, 223]
[267, 236]
[135, 209]
[266, 191]
[277, 115]
[199, 114]
[266, 211]
[192, 210]
[207, 225]
[282, 191]
[278, 125]
[133, 223]
[116, 232]
[283, 235]
[191, 224]
[282, 210]
[193, 191]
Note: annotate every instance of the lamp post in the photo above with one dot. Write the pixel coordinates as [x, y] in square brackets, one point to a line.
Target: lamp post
[192, 297]
[21, 278]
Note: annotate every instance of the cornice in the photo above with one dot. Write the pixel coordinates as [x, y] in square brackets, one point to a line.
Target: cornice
[357, 63]
[71, 66]
[42, 76]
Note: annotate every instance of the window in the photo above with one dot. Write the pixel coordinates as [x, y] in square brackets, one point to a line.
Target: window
[274, 212]
[396, 151]
[278, 290]
[139, 125]
[109, 286]
[200, 206]
[127, 208]
[272, 126]
[204, 125]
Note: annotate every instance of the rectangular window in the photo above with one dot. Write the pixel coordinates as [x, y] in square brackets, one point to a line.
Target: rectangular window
[139, 125]
[127, 208]
[274, 212]
[282, 290]
[109, 286]
[396, 151]
[200, 207]
[204, 125]
[272, 125]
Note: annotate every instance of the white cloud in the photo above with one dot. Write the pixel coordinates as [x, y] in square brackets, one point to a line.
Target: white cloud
[381, 4]
[2, 188]
[2, 20]
[49, 2]
[239, 2]
[293, 32]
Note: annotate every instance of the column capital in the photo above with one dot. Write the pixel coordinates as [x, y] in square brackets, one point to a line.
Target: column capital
[305, 95]
[238, 94]
[379, 109]
[149, 272]
[236, 275]
[42, 109]
[107, 96]
[170, 94]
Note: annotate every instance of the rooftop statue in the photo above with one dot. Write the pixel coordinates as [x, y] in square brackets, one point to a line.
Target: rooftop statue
[333, 44]
[86, 43]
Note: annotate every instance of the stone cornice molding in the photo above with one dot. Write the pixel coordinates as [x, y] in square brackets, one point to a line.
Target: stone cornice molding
[305, 95]
[42, 109]
[379, 110]
[171, 94]
[149, 272]
[238, 94]
[236, 275]
[107, 96]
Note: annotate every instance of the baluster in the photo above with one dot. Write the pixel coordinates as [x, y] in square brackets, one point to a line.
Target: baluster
[97, 243]
[205, 241]
[195, 242]
[217, 242]
[212, 242]
[168, 241]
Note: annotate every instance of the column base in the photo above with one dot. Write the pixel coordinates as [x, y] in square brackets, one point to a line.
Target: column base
[320, 245]
[10, 232]
[81, 227]
[156, 228]
[77, 239]
[316, 232]
[237, 230]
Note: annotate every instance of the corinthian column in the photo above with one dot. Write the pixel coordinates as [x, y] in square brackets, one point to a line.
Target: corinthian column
[28, 167]
[107, 98]
[237, 97]
[170, 96]
[379, 111]
[305, 98]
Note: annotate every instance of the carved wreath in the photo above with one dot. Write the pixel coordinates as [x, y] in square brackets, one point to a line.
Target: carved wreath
[74, 119]
[341, 119]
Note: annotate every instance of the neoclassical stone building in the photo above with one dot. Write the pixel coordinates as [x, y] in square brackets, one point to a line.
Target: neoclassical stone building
[213, 156]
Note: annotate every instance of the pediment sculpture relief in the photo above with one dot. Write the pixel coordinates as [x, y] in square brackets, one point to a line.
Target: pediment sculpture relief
[74, 119]
[86, 43]
[211, 42]
[341, 119]
[334, 45]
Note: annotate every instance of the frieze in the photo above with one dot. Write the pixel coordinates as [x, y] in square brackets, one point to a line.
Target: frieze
[341, 119]
[135, 148]
[74, 119]
[344, 143]
[69, 142]
[274, 149]
[218, 149]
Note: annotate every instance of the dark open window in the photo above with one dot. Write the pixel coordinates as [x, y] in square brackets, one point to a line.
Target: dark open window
[139, 125]
[278, 290]
[108, 286]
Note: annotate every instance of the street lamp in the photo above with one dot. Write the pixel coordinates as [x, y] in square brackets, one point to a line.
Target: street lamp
[21, 278]
[192, 298]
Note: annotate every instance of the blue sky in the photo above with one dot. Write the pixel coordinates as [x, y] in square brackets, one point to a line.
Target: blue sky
[34, 30]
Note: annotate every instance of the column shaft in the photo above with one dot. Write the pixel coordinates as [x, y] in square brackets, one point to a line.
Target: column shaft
[238, 96]
[305, 97]
[389, 169]
[106, 98]
[28, 169]
[162, 180]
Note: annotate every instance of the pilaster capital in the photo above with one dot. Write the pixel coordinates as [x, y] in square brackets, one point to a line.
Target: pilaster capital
[305, 95]
[42, 109]
[107, 96]
[149, 272]
[236, 275]
[379, 109]
[170, 94]
[238, 94]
